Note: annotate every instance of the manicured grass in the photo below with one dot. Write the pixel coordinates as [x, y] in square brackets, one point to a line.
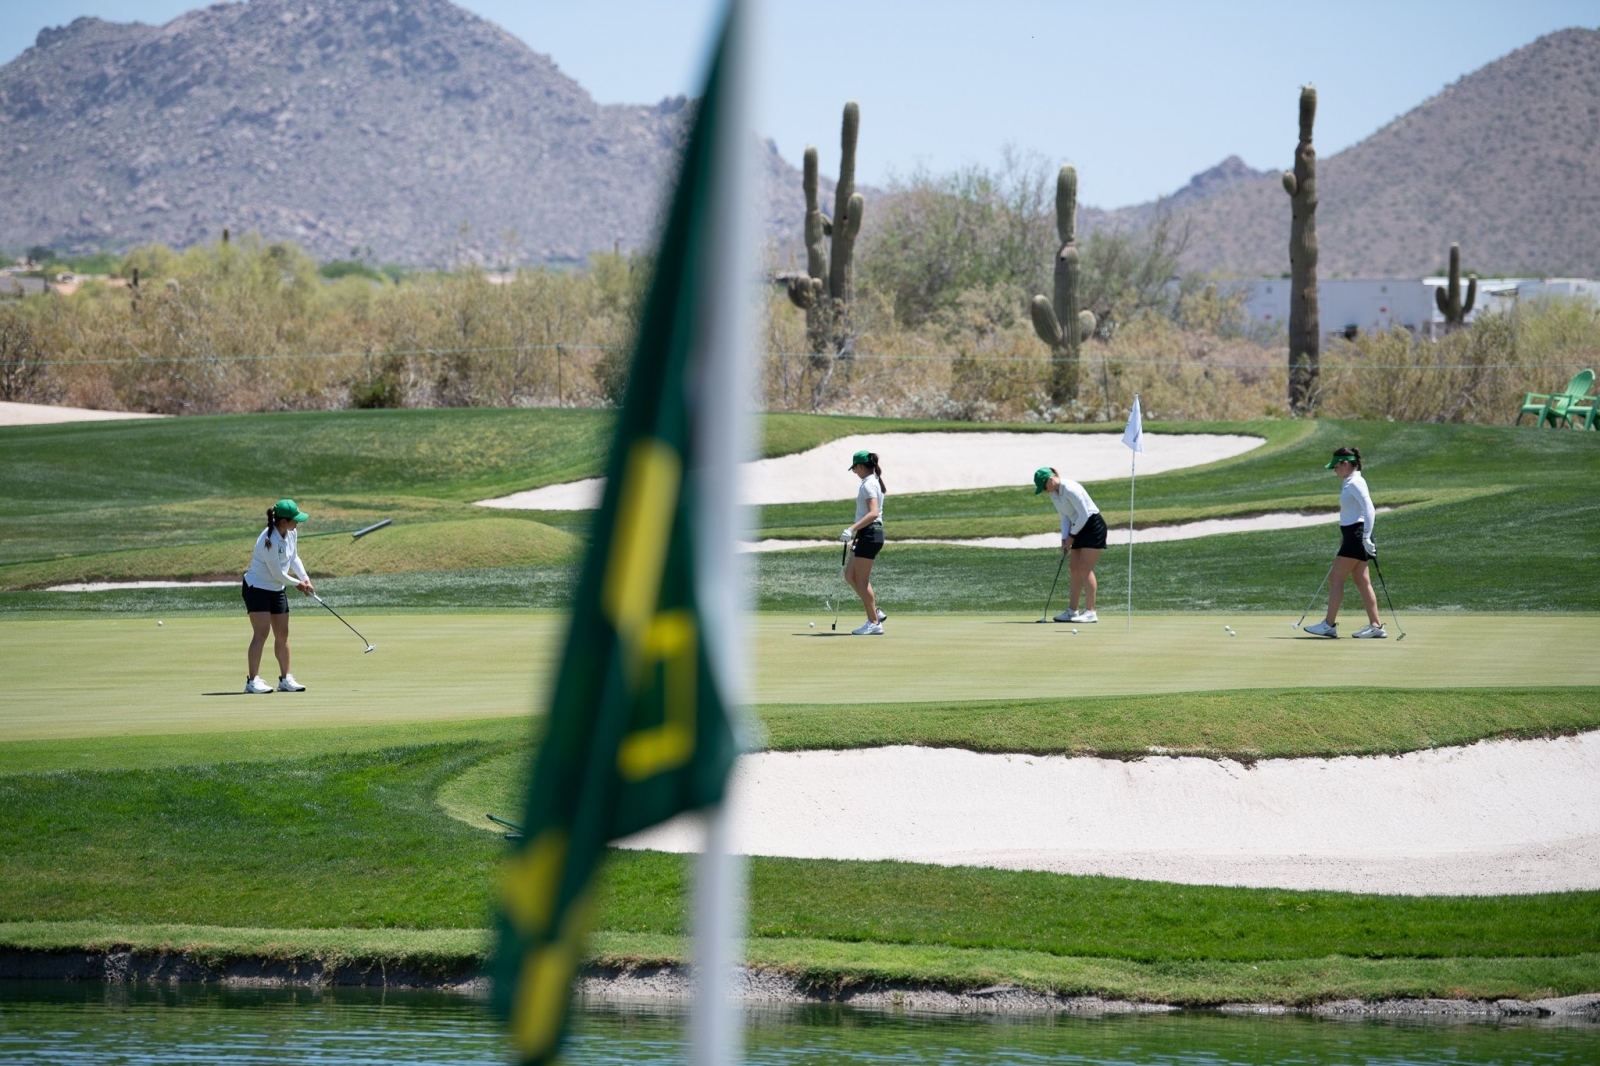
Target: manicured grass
[842, 964]
[356, 841]
[124, 675]
[458, 544]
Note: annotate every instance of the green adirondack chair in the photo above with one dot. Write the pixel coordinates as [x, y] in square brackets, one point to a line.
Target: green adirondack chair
[1553, 407]
[1582, 415]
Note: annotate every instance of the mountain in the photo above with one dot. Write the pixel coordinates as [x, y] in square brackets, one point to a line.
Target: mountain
[410, 127]
[1505, 162]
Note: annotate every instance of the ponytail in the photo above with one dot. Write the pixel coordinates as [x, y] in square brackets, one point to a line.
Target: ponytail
[878, 471]
[271, 525]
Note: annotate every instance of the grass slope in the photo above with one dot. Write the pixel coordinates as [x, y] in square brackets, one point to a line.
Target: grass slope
[354, 840]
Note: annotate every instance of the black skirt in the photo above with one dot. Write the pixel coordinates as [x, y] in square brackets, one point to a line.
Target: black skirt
[1350, 542]
[264, 600]
[1093, 533]
[869, 542]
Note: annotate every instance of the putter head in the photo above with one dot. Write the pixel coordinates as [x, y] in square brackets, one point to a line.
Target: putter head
[370, 649]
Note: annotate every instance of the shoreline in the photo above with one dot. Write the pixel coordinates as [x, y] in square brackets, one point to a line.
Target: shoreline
[645, 967]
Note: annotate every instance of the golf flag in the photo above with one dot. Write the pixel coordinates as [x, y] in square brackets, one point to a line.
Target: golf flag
[640, 726]
[1133, 436]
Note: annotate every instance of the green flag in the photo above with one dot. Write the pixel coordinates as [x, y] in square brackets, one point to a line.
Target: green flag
[639, 727]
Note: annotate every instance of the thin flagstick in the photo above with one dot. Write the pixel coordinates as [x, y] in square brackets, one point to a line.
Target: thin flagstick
[1133, 472]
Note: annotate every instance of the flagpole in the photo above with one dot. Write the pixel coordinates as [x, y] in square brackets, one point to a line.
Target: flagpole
[722, 394]
[1133, 468]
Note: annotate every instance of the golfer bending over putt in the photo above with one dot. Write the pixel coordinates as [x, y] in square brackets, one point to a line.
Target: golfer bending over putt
[1356, 515]
[1083, 538]
[274, 565]
[866, 533]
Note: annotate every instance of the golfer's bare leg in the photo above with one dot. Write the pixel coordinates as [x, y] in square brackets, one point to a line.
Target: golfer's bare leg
[280, 642]
[1084, 560]
[1369, 598]
[259, 625]
[862, 583]
[1341, 570]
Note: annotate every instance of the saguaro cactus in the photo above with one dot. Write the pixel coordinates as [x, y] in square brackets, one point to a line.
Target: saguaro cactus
[828, 318]
[1305, 331]
[1451, 305]
[1047, 319]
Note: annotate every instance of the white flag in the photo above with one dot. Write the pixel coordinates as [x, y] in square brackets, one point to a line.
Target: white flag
[1133, 436]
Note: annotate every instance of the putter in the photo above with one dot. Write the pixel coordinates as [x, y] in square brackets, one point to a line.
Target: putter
[1045, 617]
[1386, 596]
[371, 647]
[516, 831]
[1314, 595]
[844, 555]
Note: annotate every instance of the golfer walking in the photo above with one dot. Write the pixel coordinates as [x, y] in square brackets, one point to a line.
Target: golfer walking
[1083, 538]
[865, 537]
[1356, 549]
[274, 565]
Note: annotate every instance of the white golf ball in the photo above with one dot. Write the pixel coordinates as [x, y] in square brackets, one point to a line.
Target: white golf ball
[1074, 632]
[811, 625]
[160, 623]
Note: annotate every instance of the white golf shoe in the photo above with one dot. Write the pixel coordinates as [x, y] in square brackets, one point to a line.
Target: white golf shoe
[255, 686]
[287, 683]
[882, 616]
[867, 629]
[1370, 633]
[1085, 616]
[1322, 629]
[1067, 616]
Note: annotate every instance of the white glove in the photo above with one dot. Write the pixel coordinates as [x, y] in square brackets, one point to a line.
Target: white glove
[847, 536]
[1368, 547]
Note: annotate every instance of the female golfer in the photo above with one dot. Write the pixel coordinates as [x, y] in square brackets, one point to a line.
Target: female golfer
[1356, 516]
[865, 537]
[1083, 538]
[274, 565]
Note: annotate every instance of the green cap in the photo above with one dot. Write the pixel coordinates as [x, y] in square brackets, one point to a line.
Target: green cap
[1339, 459]
[289, 509]
[1040, 476]
[862, 458]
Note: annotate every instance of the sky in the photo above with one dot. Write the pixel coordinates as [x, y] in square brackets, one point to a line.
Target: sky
[1139, 96]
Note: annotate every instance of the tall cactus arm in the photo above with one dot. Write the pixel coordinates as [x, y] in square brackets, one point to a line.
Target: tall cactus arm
[1044, 321]
[1472, 297]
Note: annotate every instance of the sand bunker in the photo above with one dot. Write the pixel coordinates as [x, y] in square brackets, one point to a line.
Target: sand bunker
[1496, 817]
[35, 414]
[930, 462]
[1180, 531]
[111, 586]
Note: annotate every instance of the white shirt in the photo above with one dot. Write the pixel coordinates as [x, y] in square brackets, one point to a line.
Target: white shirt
[1074, 505]
[1355, 503]
[277, 567]
[868, 491]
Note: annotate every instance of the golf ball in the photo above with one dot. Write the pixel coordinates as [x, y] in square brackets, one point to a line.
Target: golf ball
[160, 623]
[811, 625]
[1074, 632]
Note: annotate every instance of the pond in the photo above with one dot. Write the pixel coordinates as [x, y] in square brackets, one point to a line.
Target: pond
[138, 1025]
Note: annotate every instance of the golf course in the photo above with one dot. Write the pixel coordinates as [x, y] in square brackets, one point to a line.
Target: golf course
[154, 807]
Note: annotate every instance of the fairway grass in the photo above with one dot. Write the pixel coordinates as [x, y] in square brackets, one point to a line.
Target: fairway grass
[79, 677]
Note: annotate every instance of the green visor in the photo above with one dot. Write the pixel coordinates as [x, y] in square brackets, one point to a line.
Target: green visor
[1040, 476]
[289, 509]
[1337, 459]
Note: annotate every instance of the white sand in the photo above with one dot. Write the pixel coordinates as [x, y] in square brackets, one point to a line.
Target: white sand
[1495, 817]
[930, 462]
[34, 414]
[1179, 531]
[108, 586]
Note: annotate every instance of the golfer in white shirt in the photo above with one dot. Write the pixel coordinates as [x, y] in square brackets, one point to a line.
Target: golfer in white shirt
[274, 566]
[1356, 548]
[1083, 538]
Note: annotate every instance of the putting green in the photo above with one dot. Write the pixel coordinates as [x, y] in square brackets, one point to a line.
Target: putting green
[122, 676]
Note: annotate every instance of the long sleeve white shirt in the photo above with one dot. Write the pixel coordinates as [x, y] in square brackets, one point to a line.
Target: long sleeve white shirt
[1074, 505]
[1355, 503]
[277, 567]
